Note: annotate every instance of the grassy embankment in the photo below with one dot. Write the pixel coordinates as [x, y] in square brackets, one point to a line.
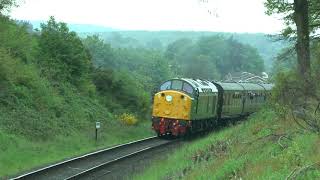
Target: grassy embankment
[20, 152]
[263, 147]
[43, 122]
[49, 100]
[40, 124]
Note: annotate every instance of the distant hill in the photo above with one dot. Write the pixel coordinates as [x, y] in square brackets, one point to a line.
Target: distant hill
[267, 47]
[80, 28]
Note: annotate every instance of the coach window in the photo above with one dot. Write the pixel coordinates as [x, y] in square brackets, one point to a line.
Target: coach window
[187, 88]
[176, 85]
[251, 95]
[165, 86]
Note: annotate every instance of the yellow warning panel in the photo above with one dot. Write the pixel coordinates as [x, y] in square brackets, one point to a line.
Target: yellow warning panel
[172, 104]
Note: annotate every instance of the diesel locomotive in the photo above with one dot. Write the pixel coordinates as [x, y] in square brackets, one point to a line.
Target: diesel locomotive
[183, 106]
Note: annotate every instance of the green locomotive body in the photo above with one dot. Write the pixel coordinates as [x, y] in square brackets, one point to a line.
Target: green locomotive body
[185, 105]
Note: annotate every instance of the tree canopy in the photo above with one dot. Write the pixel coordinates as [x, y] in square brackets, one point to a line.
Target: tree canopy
[63, 56]
[5, 5]
[213, 57]
[286, 8]
[302, 20]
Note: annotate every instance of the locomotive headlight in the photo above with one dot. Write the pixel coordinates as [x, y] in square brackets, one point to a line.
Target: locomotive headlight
[169, 98]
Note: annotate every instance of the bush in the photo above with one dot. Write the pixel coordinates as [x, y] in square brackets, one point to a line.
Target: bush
[17, 40]
[284, 92]
[128, 119]
[120, 91]
[297, 99]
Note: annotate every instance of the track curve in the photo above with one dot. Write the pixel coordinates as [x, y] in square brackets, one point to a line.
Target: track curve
[86, 164]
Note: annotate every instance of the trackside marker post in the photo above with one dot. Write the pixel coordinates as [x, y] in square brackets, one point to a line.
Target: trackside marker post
[98, 125]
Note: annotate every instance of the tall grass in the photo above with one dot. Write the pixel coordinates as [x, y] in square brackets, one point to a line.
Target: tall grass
[261, 148]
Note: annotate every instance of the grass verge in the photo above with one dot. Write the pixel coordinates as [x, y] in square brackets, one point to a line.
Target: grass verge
[18, 154]
[263, 147]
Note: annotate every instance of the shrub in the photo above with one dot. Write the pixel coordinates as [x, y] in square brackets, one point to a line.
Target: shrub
[119, 90]
[128, 119]
[297, 99]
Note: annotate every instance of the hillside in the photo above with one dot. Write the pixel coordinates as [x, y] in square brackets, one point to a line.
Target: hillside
[59, 80]
[79, 28]
[264, 146]
[266, 45]
[49, 99]
[54, 86]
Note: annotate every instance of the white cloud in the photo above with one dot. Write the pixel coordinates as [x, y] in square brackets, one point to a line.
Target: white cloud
[233, 15]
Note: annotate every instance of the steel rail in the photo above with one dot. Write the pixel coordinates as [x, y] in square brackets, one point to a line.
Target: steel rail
[83, 158]
[96, 168]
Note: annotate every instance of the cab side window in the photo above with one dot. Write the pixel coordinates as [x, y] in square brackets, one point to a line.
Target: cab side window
[187, 88]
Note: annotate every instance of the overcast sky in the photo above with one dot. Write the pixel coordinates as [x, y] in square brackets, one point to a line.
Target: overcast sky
[196, 15]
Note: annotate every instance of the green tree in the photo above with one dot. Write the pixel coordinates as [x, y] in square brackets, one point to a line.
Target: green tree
[120, 91]
[179, 53]
[212, 57]
[154, 44]
[149, 65]
[20, 43]
[301, 18]
[5, 5]
[63, 56]
[203, 68]
[101, 52]
[243, 58]
[285, 61]
[176, 47]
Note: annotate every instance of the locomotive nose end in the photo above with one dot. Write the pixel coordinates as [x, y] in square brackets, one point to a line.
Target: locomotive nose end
[172, 104]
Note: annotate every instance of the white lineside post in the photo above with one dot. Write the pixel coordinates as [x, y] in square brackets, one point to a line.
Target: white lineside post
[98, 125]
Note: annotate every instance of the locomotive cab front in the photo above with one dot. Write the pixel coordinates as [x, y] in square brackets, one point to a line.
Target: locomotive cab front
[172, 106]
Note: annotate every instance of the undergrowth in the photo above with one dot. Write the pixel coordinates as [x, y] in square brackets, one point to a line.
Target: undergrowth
[263, 147]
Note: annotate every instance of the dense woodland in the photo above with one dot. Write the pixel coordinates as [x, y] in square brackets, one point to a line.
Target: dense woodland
[41, 68]
[267, 46]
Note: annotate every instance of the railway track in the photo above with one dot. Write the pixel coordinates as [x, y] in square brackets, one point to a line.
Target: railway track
[87, 165]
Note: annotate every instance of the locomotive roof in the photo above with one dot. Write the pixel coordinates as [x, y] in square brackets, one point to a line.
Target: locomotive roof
[205, 85]
[200, 84]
